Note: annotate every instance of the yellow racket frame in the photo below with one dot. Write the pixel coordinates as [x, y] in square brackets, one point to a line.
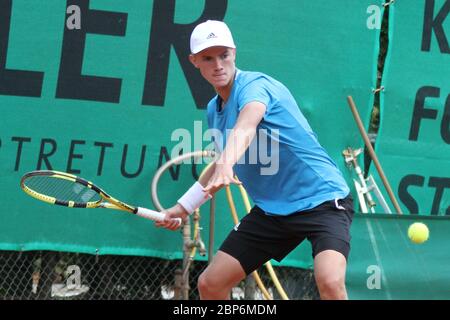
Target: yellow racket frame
[106, 200]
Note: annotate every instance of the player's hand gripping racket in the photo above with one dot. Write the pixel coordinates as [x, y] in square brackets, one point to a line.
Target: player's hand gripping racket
[64, 189]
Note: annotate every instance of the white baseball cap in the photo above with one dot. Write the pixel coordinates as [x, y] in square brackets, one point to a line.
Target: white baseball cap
[209, 34]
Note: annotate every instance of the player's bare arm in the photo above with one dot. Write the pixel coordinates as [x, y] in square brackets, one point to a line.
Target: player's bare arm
[221, 174]
[237, 143]
[178, 211]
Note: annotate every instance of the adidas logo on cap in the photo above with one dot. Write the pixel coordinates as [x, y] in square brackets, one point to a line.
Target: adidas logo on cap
[211, 35]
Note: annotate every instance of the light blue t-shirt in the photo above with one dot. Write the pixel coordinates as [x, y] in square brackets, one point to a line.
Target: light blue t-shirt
[285, 169]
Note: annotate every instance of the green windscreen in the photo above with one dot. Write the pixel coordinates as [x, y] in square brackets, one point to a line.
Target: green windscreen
[413, 144]
[105, 90]
[384, 264]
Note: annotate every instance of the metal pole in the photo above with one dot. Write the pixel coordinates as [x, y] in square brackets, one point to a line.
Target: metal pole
[186, 256]
[372, 154]
[212, 213]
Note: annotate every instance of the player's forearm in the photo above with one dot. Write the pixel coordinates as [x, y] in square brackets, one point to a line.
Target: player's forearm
[237, 143]
[195, 196]
[243, 133]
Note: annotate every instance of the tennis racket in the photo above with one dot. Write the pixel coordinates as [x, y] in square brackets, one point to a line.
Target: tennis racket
[67, 190]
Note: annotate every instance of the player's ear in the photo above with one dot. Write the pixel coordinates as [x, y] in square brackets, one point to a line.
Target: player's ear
[193, 60]
[233, 51]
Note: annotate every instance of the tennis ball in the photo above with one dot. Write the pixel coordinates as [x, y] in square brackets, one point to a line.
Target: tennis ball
[418, 232]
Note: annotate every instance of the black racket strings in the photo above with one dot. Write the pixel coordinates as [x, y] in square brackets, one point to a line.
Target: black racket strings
[62, 189]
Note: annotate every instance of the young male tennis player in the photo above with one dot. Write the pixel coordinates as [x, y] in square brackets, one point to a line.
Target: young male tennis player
[306, 197]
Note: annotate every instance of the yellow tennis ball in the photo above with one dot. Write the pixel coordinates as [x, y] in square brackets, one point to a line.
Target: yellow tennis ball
[418, 232]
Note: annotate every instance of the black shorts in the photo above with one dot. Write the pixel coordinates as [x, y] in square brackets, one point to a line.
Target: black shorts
[260, 237]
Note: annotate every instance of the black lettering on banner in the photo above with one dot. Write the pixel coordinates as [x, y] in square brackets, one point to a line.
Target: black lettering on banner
[445, 124]
[403, 194]
[420, 111]
[166, 33]
[20, 141]
[73, 155]
[43, 157]
[174, 172]
[15, 82]
[103, 146]
[431, 23]
[124, 160]
[71, 83]
[440, 184]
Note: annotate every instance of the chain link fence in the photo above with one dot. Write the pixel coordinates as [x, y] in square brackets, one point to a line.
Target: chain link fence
[47, 275]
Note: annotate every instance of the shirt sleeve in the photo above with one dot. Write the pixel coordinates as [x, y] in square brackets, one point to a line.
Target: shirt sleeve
[257, 90]
[210, 113]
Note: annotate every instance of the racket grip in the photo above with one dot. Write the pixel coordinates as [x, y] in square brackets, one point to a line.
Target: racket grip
[153, 215]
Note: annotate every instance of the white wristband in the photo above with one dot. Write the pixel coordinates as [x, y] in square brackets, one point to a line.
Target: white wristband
[193, 198]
